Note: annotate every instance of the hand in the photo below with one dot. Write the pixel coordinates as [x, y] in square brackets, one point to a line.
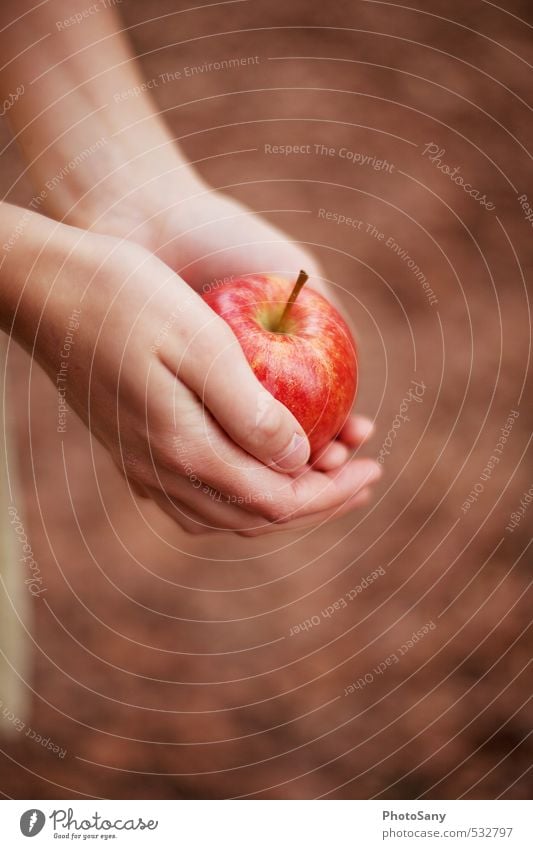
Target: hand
[161, 381]
[207, 237]
[135, 184]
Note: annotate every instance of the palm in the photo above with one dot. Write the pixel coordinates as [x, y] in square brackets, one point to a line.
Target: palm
[222, 238]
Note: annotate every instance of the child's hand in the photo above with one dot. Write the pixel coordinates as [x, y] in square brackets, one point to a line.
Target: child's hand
[133, 182]
[207, 237]
[163, 384]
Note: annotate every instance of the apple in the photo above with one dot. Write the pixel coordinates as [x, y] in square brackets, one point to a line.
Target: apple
[298, 346]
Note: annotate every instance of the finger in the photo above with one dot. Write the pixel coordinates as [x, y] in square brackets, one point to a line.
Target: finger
[286, 499]
[315, 520]
[356, 430]
[200, 513]
[205, 452]
[254, 510]
[331, 457]
[317, 491]
[188, 520]
[213, 365]
[218, 516]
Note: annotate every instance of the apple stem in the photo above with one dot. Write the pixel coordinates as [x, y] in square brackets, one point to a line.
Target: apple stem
[303, 277]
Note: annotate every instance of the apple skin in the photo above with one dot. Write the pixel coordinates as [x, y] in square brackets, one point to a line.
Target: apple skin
[311, 367]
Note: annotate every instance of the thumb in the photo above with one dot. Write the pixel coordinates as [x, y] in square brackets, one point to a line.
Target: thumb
[275, 436]
[222, 378]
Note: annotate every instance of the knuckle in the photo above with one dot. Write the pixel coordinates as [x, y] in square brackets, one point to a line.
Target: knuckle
[268, 418]
[215, 339]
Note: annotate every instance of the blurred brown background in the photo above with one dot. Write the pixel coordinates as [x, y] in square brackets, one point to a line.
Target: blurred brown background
[163, 663]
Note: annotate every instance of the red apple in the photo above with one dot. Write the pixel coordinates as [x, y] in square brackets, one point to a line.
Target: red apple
[298, 345]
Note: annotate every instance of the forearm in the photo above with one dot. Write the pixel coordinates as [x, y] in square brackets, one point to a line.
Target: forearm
[87, 145]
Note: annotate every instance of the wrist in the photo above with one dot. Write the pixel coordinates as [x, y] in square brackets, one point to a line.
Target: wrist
[130, 193]
[98, 152]
[33, 249]
[126, 185]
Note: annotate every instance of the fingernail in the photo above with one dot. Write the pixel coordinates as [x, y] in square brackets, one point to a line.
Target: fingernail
[295, 455]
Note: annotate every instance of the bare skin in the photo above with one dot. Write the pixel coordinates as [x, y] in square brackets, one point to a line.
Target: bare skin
[146, 233]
